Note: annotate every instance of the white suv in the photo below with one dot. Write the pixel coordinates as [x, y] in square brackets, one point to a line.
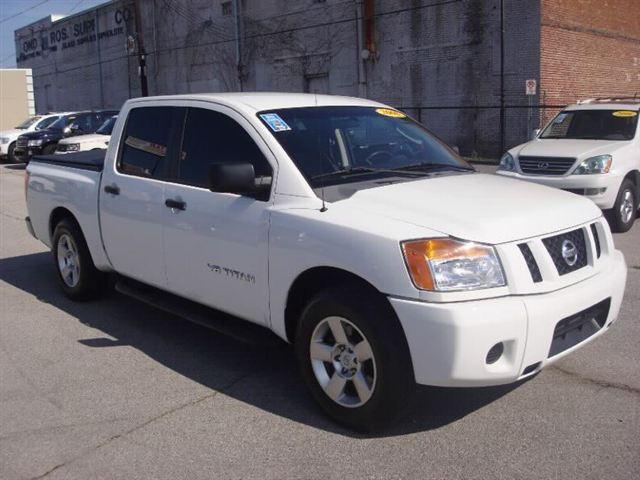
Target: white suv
[8, 138]
[592, 149]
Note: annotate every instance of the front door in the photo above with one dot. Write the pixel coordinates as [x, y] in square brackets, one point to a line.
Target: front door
[216, 244]
[132, 194]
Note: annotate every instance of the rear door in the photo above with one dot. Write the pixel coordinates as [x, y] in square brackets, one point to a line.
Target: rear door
[216, 244]
[132, 193]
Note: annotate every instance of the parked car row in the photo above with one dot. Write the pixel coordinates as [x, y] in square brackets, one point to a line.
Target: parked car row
[591, 149]
[48, 134]
[345, 228]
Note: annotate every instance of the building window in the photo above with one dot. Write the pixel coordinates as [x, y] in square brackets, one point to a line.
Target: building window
[227, 8]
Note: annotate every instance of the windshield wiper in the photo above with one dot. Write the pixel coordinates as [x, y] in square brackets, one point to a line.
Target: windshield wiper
[433, 166]
[361, 171]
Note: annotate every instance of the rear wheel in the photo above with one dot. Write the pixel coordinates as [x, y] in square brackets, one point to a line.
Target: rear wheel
[354, 358]
[623, 213]
[79, 278]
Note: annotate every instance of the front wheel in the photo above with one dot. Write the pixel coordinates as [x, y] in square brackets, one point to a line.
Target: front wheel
[11, 156]
[79, 278]
[49, 150]
[354, 358]
[623, 213]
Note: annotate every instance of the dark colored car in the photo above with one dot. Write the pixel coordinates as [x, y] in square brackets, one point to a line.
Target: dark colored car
[44, 142]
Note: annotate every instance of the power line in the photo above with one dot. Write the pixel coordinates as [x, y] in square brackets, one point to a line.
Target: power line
[23, 11]
[80, 2]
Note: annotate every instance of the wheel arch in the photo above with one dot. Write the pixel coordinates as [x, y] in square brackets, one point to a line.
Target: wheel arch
[634, 176]
[314, 280]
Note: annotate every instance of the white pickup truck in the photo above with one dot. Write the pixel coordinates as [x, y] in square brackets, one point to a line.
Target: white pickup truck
[341, 225]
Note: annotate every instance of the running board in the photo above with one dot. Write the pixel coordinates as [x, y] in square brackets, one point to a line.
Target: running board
[224, 323]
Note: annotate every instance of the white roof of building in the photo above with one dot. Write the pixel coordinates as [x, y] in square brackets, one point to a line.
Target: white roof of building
[259, 101]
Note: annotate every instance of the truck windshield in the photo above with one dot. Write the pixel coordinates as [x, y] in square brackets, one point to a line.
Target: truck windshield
[343, 143]
[107, 127]
[593, 125]
[28, 122]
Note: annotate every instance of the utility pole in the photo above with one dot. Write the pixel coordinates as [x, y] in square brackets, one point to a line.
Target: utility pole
[502, 115]
[142, 55]
[238, 34]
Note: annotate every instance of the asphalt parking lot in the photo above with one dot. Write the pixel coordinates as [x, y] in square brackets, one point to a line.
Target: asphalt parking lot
[117, 389]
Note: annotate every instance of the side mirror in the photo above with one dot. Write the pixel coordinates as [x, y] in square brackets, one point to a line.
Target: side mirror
[536, 132]
[237, 178]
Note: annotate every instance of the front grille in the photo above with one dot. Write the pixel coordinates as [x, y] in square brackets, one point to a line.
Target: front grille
[545, 165]
[578, 327]
[574, 246]
[531, 262]
[596, 239]
[22, 142]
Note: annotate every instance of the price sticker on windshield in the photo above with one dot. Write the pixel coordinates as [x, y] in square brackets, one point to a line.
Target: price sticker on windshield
[274, 121]
[624, 113]
[387, 112]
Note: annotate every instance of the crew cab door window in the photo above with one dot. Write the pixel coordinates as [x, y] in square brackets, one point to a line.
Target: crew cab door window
[216, 244]
[146, 139]
[213, 137]
[132, 218]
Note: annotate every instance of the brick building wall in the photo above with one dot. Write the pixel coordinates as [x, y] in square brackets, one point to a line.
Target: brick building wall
[589, 48]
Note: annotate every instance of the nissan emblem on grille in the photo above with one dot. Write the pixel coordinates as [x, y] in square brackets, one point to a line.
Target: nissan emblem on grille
[569, 252]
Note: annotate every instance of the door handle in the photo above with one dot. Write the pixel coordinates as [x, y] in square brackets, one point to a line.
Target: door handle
[112, 189]
[177, 204]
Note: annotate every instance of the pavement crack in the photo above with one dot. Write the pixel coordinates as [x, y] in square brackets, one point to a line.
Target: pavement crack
[601, 383]
[144, 424]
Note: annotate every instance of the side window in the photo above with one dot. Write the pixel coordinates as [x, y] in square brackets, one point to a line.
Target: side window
[212, 137]
[84, 123]
[146, 140]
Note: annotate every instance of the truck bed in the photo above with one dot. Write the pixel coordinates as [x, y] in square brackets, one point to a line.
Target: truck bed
[91, 160]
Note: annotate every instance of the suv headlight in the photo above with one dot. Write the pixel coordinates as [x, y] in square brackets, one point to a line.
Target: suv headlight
[4, 140]
[444, 264]
[599, 164]
[34, 143]
[73, 147]
[507, 163]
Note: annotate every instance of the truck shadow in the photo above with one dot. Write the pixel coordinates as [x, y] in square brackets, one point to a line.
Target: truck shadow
[264, 377]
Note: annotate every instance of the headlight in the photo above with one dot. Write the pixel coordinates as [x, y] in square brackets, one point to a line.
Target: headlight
[599, 164]
[73, 147]
[4, 140]
[444, 264]
[34, 143]
[507, 163]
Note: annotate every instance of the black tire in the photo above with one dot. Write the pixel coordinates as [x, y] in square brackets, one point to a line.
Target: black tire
[11, 156]
[49, 149]
[87, 282]
[620, 218]
[376, 322]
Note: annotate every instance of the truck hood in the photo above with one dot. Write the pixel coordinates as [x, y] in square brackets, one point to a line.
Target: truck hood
[90, 138]
[569, 148]
[478, 207]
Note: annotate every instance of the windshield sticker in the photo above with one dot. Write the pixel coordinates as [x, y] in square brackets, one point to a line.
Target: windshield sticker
[387, 112]
[624, 113]
[560, 118]
[274, 121]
